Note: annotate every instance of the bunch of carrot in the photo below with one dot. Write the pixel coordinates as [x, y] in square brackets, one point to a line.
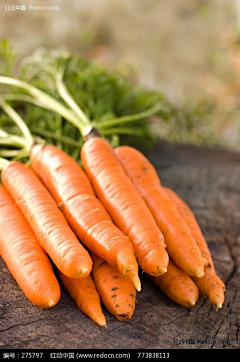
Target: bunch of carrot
[96, 225]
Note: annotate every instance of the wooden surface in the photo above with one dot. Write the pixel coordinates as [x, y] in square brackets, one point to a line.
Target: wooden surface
[209, 181]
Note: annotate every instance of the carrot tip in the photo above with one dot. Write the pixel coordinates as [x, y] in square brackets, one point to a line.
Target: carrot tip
[218, 304]
[136, 282]
[138, 287]
[199, 273]
[82, 273]
[102, 323]
[51, 303]
[163, 270]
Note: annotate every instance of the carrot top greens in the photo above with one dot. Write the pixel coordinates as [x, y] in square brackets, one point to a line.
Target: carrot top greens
[112, 100]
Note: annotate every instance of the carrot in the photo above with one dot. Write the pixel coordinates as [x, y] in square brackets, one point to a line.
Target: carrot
[192, 223]
[178, 286]
[84, 293]
[46, 220]
[24, 257]
[181, 245]
[71, 189]
[124, 204]
[212, 286]
[116, 291]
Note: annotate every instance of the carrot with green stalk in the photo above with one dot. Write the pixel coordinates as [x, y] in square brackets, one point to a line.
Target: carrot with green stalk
[42, 213]
[25, 258]
[72, 191]
[114, 189]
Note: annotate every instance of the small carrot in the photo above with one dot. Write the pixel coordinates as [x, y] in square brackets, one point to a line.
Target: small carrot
[181, 245]
[178, 286]
[193, 225]
[46, 220]
[124, 204]
[84, 293]
[116, 291]
[71, 189]
[212, 286]
[24, 257]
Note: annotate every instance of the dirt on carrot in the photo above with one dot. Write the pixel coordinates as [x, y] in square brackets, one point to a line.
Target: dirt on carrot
[116, 291]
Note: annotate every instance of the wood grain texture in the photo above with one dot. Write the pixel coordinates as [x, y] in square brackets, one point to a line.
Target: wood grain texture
[208, 180]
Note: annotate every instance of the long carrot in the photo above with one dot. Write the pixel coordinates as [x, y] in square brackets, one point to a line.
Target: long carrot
[46, 220]
[193, 225]
[212, 286]
[84, 293]
[72, 190]
[116, 291]
[124, 204]
[178, 286]
[24, 257]
[181, 245]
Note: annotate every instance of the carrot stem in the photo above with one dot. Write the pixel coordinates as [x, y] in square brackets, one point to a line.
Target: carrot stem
[47, 102]
[129, 118]
[23, 98]
[62, 89]
[3, 163]
[65, 139]
[11, 140]
[19, 122]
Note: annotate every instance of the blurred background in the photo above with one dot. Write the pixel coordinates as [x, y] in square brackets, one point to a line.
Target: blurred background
[189, 50]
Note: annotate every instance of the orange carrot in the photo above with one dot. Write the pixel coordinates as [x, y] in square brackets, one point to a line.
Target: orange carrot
[46, 220]
[212, 286]
[116, 291]
[193, 225]
[84, 293]
[178, 286]
[124, 204]
[72, 190]
[181, 245]
[24, 257]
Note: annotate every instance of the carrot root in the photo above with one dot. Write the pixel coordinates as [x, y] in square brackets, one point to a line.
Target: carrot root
[24, 257]
[212, 286]
[178, 286]
[124, 204]
[84, 293]
[46, 220]
[130, 271]
[86, 215]
[181, 245]
[116, 291]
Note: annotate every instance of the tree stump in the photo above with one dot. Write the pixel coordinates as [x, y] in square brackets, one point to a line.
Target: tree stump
[208, 180]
